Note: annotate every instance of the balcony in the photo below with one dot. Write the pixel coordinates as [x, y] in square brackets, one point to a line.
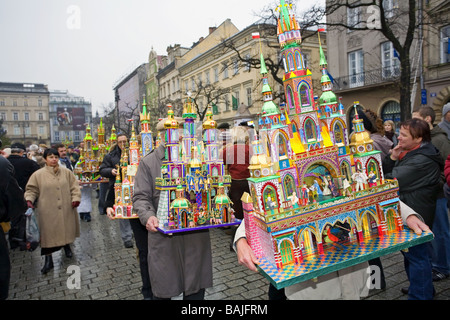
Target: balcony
[367, 78]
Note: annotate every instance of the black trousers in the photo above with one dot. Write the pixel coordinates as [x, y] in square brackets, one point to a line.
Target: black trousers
[237, 189]
[141, 238]
[5, 266]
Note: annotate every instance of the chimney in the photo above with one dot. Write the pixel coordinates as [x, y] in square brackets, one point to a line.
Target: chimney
[212, 29]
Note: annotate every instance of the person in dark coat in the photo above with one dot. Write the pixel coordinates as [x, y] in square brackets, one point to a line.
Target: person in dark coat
[108, 169]
[416, 164]
[180, 263]
[23, 168]
[141, 238]
[12, 206]
[441, 226]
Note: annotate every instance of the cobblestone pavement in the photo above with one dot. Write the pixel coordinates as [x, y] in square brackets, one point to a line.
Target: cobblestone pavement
[109, 271]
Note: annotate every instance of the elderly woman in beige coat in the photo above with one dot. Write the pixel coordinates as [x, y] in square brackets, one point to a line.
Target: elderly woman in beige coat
[54, 192]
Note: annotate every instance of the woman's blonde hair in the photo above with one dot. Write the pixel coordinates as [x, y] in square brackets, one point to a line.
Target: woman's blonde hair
[391, 123]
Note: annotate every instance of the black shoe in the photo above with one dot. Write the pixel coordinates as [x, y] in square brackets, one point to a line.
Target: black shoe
[438, 276]
[87, 217]
[48, 264]
[68, 251]
[128, 244]
[404, 290]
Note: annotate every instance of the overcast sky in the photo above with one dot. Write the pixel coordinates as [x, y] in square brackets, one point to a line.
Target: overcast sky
[85, 46]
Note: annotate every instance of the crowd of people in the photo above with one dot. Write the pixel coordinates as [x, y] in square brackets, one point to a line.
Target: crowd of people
[40, 179]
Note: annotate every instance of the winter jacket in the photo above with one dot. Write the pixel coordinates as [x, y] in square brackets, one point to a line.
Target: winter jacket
[440, 140]
[12, 202]
[382, 144]
[53, 194]
[419, 176]
[109, 163]
[24, 168]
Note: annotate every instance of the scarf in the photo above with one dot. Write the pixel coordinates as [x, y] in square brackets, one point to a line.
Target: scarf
[400, 157]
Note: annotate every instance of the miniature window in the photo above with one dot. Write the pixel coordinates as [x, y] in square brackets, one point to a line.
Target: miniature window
[282, 150]
[310, 130]
[299, 61]
[289, 185]
[290, 98]
[304, 95]
[270, 199]
[338, 132]
[291, 62]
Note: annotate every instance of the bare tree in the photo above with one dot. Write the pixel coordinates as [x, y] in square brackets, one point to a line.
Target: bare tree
[108, 116]
[210, 94]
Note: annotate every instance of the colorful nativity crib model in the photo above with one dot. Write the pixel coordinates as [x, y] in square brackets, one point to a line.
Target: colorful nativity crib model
[127, 167]
[311, 210]
[193, 182]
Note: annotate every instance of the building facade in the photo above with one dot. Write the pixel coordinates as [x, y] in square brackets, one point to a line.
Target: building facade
[436, 55]
[24, 109]
[365, 66]
[129, 92]
[69, 115]
[214, 72]
[169, 82]
[155, 63]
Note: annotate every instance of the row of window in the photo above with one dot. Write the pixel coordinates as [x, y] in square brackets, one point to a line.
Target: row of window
[24, 103]
[18, 130]
[194, 83]
[26, 116]
[68, 135]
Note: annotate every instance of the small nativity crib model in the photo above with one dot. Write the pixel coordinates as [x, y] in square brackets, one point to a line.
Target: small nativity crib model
[193, 182]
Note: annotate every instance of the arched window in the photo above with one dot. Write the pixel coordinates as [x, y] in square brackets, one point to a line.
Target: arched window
[305, 99]
[281, 142]
[294, 127]
[391, 111]
[285, 65]
[290, 98]
[298, 60]
[289, 185]
[270, 198]
[291, 64]
[310, 130]
[338, 132]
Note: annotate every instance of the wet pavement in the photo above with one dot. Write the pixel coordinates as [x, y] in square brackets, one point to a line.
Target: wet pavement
[103, 269]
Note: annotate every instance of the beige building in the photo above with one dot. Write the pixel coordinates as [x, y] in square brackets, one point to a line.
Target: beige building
[436, 55]
[24, 108]
[365, 67]
[218, 76]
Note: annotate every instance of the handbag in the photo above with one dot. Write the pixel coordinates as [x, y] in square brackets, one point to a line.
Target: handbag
[32, 230]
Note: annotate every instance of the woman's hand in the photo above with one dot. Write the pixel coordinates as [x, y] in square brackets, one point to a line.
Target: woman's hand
[30, 204]
[75, 204]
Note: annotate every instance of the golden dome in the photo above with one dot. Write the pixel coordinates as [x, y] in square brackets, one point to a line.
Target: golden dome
[360, 138]
[209, 123]
[171, 122]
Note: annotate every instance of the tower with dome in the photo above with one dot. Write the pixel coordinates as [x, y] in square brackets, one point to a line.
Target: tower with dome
[304, 204]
